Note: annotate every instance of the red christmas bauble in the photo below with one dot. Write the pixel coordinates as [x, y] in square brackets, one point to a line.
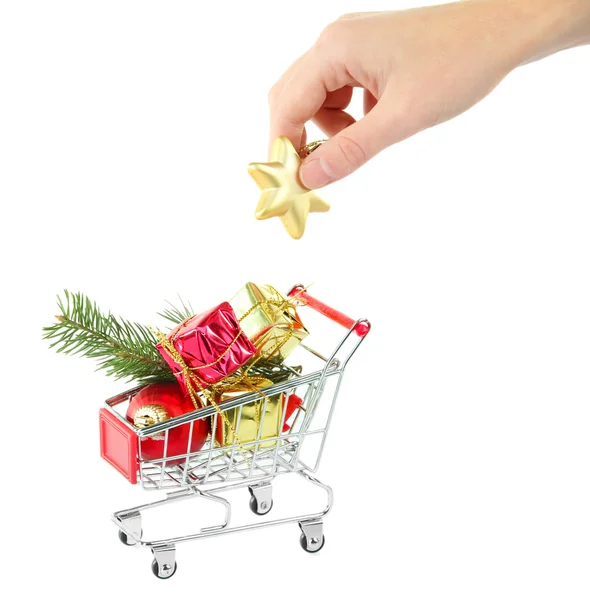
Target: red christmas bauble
[159, 402]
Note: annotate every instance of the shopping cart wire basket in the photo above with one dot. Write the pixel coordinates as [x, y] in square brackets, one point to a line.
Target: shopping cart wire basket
[306, 400]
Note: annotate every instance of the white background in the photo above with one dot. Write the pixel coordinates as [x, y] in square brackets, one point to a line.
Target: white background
[125, 131]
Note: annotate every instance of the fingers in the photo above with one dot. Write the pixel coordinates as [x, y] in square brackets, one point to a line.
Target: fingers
[330, 118]
[276, 91]
[312, 82]
[296, 103]
[352, 146]
[332, 121]
[369, 101]
[338, 98]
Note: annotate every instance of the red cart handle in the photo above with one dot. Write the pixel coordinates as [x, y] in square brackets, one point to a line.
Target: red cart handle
[361, 329]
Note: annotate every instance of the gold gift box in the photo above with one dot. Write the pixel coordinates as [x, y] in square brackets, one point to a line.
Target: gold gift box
[248, 424]
[269, 320]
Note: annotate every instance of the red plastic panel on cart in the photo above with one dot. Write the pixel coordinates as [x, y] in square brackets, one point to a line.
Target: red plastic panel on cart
[118, 445]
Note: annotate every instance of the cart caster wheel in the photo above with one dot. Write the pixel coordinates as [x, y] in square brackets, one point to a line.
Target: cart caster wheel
[167, 570]
[260, 509]
[314, 545]
[125, 539]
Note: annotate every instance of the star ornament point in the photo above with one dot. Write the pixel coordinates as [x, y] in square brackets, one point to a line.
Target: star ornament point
[283, 194]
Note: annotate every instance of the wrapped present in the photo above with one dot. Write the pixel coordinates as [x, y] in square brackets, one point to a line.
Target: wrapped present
[206, 349]
[256, 420]
[269, 320]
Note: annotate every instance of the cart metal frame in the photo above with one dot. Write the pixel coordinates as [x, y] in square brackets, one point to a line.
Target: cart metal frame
[214, 470]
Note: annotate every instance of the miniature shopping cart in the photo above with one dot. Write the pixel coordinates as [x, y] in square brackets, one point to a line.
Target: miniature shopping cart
[296, 446]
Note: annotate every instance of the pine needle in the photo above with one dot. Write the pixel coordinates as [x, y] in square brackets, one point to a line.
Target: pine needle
[178, 314]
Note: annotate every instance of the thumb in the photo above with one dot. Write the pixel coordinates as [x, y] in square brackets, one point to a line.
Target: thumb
[347, 151]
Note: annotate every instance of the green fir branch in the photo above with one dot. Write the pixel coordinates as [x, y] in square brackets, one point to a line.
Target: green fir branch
[178, 314]
[122, 348]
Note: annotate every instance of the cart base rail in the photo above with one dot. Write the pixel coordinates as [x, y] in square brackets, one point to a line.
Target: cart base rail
[129, 521]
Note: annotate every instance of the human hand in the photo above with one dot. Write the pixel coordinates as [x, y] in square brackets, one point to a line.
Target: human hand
[417, 67]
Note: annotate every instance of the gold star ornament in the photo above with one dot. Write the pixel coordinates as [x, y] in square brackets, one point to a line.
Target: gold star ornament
[283, 194]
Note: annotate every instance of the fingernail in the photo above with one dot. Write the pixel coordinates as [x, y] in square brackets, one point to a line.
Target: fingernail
[315, 173]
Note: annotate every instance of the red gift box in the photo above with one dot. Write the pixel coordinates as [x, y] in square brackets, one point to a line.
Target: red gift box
[206, 348]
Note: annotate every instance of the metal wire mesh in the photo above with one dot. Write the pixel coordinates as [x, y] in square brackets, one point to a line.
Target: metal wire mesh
[256, 458]
[295, 445]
